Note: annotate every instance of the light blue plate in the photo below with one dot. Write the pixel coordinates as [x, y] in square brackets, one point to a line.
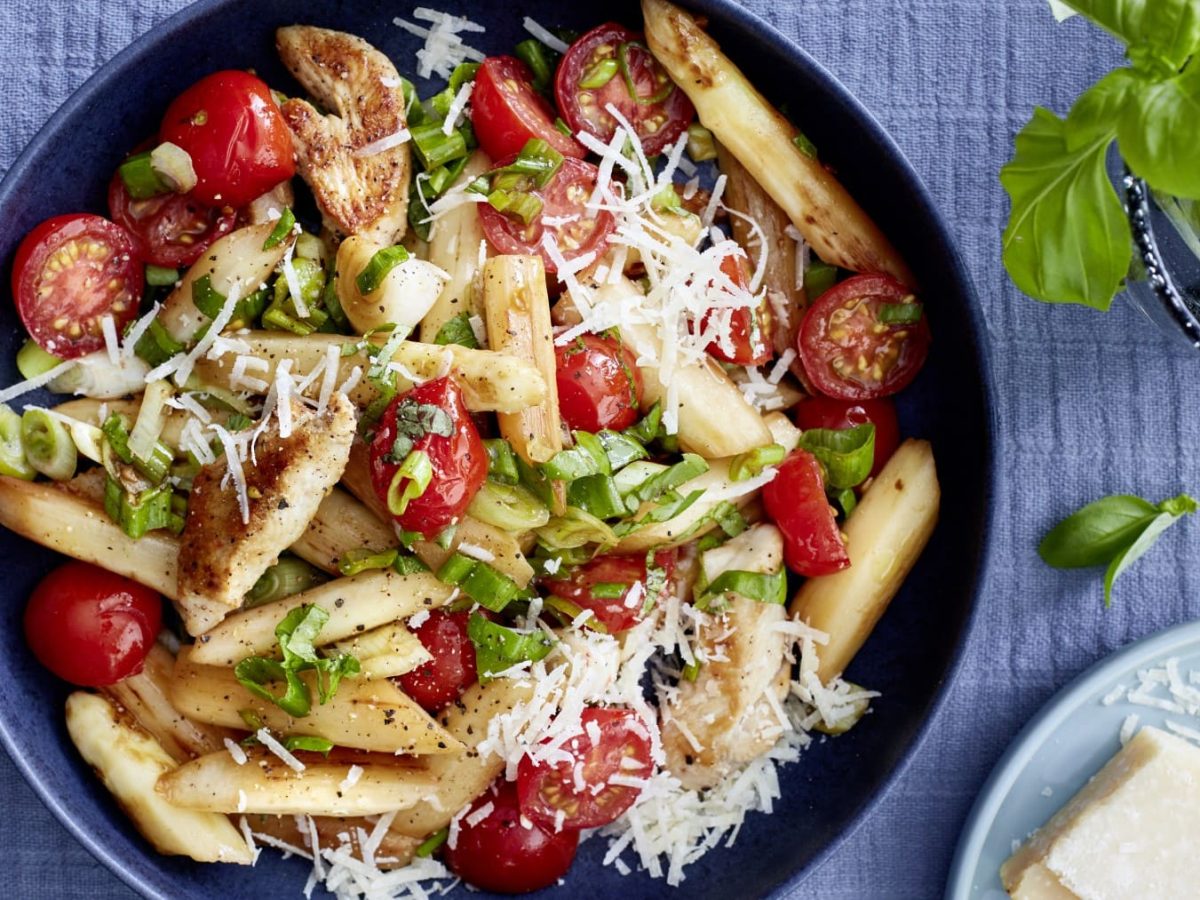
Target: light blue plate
[1054, 756]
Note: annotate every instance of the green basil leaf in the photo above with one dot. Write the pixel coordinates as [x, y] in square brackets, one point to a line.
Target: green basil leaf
[847, 453]
[1160, 34]
[297, 631]
[1098, 109]
[1160, 130]
[331, 671]
[1067, 239]
[254, 674]
[457, 330]
[1097, 532]
[498, 648]
[308, 742]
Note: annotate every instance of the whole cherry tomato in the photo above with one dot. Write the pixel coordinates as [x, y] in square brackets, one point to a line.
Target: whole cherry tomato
[599, 384]
[430, 419]
[68, 274]
[795, 501]
[500, 854]
[232, 128]
[440, 681]
[820, 411]
[91, 627]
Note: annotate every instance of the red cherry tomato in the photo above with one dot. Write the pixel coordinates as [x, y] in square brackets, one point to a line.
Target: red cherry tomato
[500, 854]
[599, 384]
[458, 460]
[848, 353]
[91, 627]
[749, 342]
[659, 113]
[68, 274]
[795, 501]
[579, 584]
[442, 680]
[826, 412]
[622, 748]
[506, 112]
[171, 230]
[576, 230]
[231, 126]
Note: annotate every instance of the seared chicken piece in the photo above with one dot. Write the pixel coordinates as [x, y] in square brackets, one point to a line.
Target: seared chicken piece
[724, 718]
[220, 556]
[359, 188]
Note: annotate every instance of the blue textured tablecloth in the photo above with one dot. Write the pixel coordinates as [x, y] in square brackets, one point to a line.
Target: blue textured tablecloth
[1088, 403]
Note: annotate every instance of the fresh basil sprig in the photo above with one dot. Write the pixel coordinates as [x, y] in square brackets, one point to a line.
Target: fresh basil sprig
[1114, 531]
[1067, 239]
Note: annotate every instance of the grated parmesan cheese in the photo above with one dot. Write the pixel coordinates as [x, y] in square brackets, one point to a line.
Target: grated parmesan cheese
[235, 750]
[545, 36]
[268, 741]
[111, 343]
[385, 143]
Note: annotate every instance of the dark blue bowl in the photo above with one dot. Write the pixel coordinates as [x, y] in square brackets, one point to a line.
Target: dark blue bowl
[914, 651]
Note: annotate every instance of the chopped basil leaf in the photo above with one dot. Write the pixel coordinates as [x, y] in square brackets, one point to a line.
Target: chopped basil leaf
[457, 330]
[847, 453]
[498, 648]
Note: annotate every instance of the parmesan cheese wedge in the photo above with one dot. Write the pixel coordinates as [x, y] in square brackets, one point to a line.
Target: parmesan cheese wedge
[1131, 831]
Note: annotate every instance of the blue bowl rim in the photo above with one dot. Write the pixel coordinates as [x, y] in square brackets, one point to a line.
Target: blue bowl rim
[730, 10]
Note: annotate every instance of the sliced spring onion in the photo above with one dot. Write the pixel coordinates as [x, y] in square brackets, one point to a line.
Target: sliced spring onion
[667, 199]
[434, 148]
[701, 145]
[748, 464]
[463, 72]
[818, 278]
[433, 843]
[12, 452]
[609, 590]
[284, 313]
[730, 523]
[372, 275]
[510, 507]
[599, 74]
[160, 276]
[141, 180]
[804, 145]
[414, 113]
[587, 457]
[173, 165]
[597, 495]
[151, 418]
[502, 461]
[308, 742]
[574, 529]
[362, 559]
[521, 205]
[648, 427]
[691, 671]
[154, 467]
[498, 648]
[620, 448]
[156, 345]
[283, 227]
[658, 96]
[149, 511]
[540, 59]
[309, 246]
[540, 484]
[407, 564]
[672, 477]
[33, 361]
[567, 612]
[48, 445]
[291, 575]
[847, 500]
[206, 298]
[847, 454]
[485, 585]
[752, 585]
[907, 313]
[457, 330]
[409, 482]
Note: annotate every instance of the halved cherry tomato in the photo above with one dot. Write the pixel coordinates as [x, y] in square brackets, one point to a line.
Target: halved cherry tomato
[599, 384]
[91, 627]
[578, 586]
[231, 126]
[69, 273]
[659, 112]
[576, 230]
[506, 111]
[458, 459]
[501, 854]
[749, 339]
[171, 230]
[795, 501]
[622, 749]
[826, 412]
[451, 671]
[848, 353]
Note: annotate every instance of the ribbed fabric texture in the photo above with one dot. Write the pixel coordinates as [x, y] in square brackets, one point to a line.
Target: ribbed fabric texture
[1089, 404]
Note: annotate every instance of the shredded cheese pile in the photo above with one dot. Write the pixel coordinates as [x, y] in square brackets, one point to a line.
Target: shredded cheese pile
[444, 48]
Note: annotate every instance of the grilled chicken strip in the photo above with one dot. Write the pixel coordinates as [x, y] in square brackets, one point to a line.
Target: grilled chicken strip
[358, 192]
[220, 557]
[723, 719]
